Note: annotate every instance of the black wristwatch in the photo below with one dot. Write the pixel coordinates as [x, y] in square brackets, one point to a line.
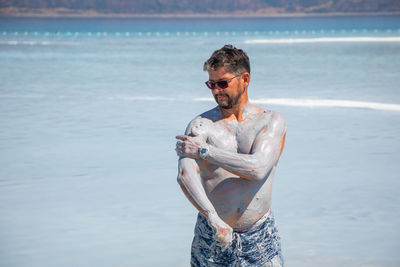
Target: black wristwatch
[203, 152]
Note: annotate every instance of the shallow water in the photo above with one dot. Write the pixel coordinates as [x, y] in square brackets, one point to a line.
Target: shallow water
[88, 172]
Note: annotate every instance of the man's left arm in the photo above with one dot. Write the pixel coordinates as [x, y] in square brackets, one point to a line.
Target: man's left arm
[265, 152]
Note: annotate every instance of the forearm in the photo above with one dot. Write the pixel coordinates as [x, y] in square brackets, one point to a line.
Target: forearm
[189, 180]
[249, 166]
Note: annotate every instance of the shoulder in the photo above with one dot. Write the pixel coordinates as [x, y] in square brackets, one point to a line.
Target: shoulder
[266, 115]
[201, 123]
[272, 120]
[276, 117]
[277, 122]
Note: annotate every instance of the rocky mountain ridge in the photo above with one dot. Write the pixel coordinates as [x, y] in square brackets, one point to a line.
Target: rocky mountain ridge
[196, 7]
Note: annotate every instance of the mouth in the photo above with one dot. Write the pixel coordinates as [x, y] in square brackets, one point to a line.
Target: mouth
[220, 97]
[223, 101]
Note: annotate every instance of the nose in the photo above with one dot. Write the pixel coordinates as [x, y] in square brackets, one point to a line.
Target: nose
[217, 91]
[218, 88]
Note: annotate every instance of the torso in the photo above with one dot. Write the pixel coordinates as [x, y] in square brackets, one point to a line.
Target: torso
[239, 202]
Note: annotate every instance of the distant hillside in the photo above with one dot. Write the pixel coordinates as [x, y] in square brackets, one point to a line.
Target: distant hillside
[193, 7]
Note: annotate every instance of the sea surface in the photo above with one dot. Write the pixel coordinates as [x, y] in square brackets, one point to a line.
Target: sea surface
[89, 110]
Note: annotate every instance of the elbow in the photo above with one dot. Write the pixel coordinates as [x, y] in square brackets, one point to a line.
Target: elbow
[260, 171]
[180, 179]
[186, 176]
[262, 167]
[262, 174]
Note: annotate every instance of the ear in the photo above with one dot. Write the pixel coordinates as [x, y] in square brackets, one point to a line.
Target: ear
[246, 78]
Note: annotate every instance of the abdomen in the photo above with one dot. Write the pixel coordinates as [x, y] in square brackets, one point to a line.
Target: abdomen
[239, 202]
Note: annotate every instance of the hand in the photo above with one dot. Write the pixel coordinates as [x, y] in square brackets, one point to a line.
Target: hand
[188, 146]
[222, 231]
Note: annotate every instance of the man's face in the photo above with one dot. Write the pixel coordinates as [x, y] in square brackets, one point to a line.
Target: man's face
[227, 97]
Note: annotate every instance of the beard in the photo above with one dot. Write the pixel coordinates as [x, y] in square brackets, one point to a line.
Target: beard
[227, 102]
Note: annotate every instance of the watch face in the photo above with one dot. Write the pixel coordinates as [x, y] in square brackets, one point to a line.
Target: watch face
[203, 152]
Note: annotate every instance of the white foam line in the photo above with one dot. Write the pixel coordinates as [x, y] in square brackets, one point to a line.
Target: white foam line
[143, 98]
[324, 40]
[294, 102]
[319, 103]
[35, 43]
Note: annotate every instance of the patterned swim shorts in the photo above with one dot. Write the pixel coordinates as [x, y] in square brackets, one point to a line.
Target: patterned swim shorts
[258, 246]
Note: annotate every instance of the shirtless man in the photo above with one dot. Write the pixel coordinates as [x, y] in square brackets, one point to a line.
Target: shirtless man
[227, 160]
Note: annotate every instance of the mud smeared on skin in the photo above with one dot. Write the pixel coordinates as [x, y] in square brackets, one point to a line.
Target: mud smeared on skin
[232, 185]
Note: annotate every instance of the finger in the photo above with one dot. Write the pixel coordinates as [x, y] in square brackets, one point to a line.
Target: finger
[178, 150]
[223, 245]
[219, 239]
[215, 237]
[179, 147]
[182, 137]
[181, 144]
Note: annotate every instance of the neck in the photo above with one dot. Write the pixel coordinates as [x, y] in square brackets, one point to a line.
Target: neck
[236, 112]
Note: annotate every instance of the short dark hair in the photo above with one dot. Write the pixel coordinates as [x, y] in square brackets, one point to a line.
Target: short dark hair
[233, 59]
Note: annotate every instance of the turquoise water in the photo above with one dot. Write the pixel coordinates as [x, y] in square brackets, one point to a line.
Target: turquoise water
[90, 107]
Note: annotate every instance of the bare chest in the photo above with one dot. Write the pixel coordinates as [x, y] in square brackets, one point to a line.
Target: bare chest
[233, 136]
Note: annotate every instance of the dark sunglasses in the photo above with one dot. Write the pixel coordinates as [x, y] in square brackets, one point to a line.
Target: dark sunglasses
[221, 84]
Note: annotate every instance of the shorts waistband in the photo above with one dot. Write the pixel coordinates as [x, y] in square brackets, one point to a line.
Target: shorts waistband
[256, 224]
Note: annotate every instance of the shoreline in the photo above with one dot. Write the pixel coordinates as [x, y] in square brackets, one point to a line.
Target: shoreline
[90, 14]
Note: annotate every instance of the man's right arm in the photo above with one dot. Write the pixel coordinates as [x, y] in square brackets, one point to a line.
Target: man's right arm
[190, 182]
